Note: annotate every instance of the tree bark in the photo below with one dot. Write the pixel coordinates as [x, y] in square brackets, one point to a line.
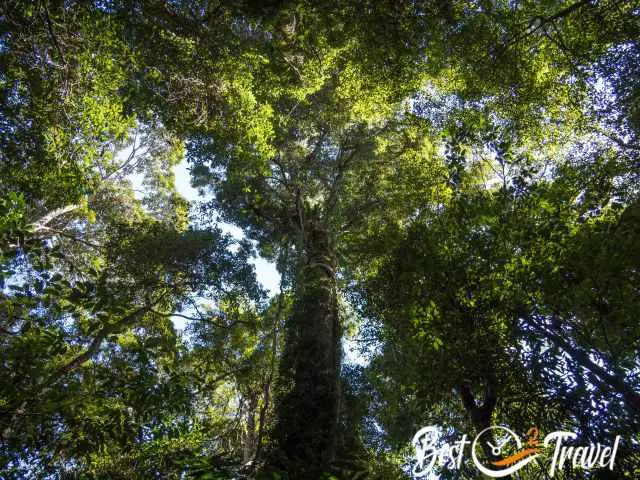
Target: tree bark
[250, 441]
[308, 408]
[481, 416]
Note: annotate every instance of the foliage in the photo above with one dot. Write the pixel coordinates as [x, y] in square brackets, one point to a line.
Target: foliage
[456, 181]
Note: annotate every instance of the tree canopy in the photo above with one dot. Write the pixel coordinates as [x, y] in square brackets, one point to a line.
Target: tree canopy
[450, 187]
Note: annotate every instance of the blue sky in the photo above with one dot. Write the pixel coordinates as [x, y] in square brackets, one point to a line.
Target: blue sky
[266, 271]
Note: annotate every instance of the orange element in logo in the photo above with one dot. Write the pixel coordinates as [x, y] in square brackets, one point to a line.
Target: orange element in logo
[532, 448]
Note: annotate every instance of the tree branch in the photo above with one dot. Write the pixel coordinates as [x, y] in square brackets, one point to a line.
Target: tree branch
[631, 397]
[52, 34]
[44, 221]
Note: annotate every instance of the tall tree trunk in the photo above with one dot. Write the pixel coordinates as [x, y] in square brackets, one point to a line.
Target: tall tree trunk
[481, 416]
[308, 409]
[249, 449]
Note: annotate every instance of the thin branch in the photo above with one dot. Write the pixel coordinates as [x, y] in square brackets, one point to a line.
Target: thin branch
[73, 364]
[617, 140]
[631, 397]
[94, 346]
[202, 318]
[52, 34]
[129, 159]
[64, 234]
[543, 21]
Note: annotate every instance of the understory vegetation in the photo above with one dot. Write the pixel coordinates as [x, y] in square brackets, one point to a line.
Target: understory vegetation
[449, 191]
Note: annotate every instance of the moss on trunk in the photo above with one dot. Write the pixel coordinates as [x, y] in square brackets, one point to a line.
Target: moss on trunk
[308, 407]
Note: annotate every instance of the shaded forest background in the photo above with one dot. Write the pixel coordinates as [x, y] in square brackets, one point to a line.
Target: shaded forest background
[451, 186]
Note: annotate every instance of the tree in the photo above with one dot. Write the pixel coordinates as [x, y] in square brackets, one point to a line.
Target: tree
[504, 294]
[292, 179]
[479, 155]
